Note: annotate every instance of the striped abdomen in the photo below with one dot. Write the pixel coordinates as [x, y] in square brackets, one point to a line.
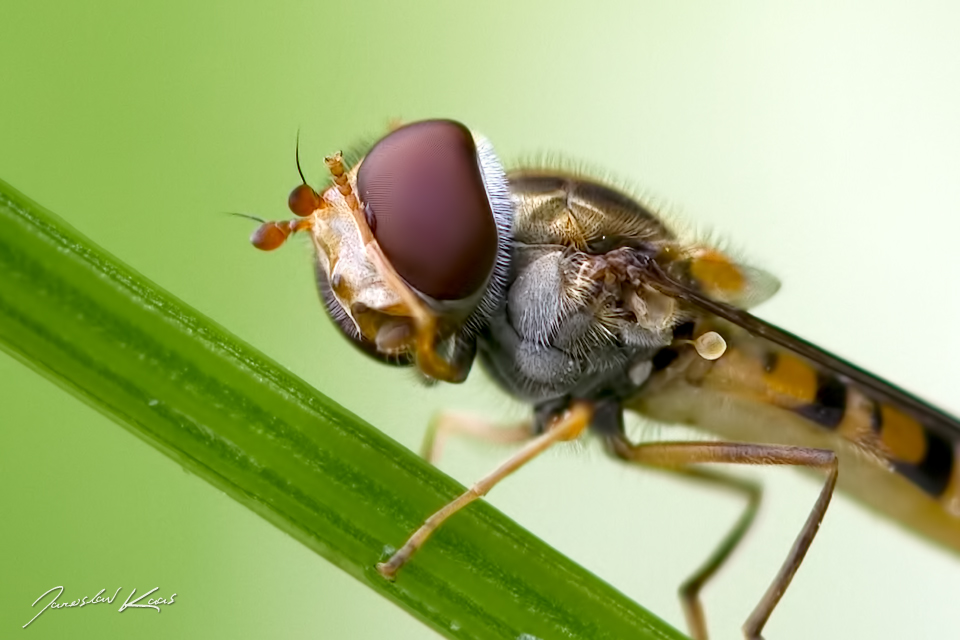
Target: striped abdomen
[896, 453]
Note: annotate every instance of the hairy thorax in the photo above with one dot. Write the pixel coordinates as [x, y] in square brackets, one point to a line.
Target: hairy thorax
[567, 327]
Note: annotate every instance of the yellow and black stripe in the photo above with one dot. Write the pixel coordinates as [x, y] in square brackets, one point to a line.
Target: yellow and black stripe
[925, 457]
[916, 445]
[915, 449]
[824, 395]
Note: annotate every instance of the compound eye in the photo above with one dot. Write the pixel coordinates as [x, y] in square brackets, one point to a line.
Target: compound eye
[425, 202]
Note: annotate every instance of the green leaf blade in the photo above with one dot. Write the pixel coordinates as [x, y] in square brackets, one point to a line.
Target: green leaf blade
[238, 420]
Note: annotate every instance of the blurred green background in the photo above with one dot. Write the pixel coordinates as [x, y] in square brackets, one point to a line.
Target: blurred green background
[822, 140]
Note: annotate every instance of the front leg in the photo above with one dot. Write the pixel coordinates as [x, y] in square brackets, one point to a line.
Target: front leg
[567, 426]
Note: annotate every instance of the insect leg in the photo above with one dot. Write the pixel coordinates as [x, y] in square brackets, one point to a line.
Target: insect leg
[691, 587]
[681, 454]
[567, 426]
[446, 424]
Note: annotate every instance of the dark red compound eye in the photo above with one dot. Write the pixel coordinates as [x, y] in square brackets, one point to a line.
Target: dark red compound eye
[424, 198]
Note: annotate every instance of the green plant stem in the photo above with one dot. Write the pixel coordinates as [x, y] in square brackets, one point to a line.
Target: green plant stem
[238, 420]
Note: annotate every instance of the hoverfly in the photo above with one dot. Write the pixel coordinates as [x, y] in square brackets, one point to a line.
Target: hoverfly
[582, 302]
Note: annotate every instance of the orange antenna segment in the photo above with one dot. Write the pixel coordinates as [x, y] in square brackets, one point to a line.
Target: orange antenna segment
[270, 235]
[303, 200]
[338, 171]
